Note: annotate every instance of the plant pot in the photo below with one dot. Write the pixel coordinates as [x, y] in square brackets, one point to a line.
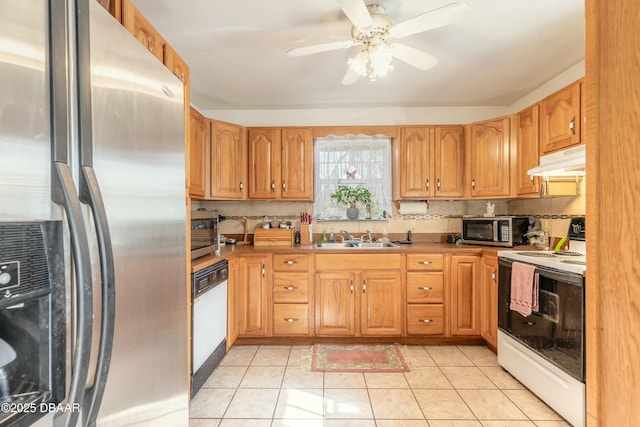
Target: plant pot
[353, 213]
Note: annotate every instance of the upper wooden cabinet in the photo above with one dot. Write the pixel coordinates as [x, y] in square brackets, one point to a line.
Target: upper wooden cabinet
[114, 7]
[197, 155]
[142, 29]
[449, 161]
[560, 119]
[526, 152]
[227, 161]
[488, 159]
[280, 164]
[430, 162]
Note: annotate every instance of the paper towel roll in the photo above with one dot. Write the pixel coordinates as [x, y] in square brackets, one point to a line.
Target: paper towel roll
[412, 208]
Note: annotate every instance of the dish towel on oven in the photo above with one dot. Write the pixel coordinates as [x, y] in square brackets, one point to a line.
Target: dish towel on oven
[524, 288]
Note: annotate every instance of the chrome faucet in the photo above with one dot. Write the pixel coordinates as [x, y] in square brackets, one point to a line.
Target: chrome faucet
[368, 236]
[349, 236]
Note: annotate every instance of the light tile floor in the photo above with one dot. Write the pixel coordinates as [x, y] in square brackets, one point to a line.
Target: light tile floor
[448, 386]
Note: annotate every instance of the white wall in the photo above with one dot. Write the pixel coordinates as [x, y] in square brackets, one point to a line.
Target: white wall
[392, 116]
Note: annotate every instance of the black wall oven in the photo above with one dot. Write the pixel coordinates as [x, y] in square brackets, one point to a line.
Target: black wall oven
[32, 320]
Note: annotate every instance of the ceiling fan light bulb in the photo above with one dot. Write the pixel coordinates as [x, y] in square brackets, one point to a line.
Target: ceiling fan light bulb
[359, 64]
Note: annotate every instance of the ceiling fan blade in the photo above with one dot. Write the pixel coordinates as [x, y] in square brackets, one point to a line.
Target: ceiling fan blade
[356, 11]
[317, 48]
[350, 77]
[414, 57]
[436, 18]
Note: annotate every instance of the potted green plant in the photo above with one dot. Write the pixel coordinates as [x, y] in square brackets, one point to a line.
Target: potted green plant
[350, 196]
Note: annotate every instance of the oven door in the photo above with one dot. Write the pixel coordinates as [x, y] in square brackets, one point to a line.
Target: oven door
[556, 330]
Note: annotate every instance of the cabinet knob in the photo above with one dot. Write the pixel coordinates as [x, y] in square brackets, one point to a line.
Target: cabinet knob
[424, 288]
[264, 271]
[290, 262]
[290, 319]
[273, 186]
[572, 126]
[351, 287]
[493, 275]
[438, 184]
[428, 184]
[241, 186]
[425, 262]
[425, 320]
[290, 288]
[284, 185]
[473, 184]
[364, 286]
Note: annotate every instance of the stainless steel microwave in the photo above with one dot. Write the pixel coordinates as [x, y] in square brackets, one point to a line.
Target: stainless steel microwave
[204, 233]
[495, 231]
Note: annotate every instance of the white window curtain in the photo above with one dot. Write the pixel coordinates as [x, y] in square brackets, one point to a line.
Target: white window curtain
[356, 160]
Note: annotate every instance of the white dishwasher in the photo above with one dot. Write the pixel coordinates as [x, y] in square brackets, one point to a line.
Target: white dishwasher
[208, 322]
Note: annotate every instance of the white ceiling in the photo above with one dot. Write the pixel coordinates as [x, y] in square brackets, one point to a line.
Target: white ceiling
[236, 50]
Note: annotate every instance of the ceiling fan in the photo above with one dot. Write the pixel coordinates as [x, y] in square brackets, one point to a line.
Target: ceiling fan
[373, 28]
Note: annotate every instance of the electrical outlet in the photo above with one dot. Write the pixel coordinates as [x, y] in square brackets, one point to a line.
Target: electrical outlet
[448, 225]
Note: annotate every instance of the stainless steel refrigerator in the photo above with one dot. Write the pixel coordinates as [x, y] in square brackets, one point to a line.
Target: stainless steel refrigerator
[92, 195]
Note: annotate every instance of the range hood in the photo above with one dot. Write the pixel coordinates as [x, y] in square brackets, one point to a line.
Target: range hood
[569, 162]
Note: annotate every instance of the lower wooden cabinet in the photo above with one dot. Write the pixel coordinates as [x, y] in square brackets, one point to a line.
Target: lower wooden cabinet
[254, 274]
[291, 295]
[232, 303]
[464, 318]
[362, 300]
[425, 283]
[489, 301]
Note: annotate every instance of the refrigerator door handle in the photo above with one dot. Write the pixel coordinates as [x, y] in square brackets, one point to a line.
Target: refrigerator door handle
[91, 195]
[63, 193]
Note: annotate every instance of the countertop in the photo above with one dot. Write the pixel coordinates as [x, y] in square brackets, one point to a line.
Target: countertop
[230, 251]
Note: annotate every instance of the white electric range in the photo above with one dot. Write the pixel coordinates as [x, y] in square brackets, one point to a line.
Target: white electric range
[545, 350]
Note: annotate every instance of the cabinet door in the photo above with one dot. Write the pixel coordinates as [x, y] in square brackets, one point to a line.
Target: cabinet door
[197, 154]
[527, 152]
[448, 161]
[465, 295]
[253, 293]
[489, 158]
[335, 303]
[415, 163]
[264, 163]
[560, 119]
[297, 164]
[114, 7]
[380, 303]
[489, 301]
[142, 30]
[227, 161]
[232, 303]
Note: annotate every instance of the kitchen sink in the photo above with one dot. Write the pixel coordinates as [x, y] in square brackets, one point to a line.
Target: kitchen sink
[355, 244]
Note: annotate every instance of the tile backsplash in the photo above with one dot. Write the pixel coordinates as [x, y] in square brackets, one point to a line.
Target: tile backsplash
[440, 216]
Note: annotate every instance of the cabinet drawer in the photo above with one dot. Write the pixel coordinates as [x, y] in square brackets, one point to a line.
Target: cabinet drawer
[291, 319]
[290, 287]
[425, 319]
[425, 287]
[291, 262]
[425, 262]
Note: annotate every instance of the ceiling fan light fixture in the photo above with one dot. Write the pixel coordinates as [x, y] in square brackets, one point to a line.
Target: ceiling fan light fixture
[359, 64]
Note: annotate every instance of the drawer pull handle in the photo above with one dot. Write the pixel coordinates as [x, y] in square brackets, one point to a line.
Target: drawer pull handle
[425, 262]
[425, 320]
[290, 319]
[424, 288]
[290, 262]
[290, 288]
[351, 287]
